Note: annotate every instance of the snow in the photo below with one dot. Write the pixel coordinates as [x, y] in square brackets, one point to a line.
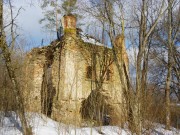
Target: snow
[41, 125]
[90, 40]
[160, 130]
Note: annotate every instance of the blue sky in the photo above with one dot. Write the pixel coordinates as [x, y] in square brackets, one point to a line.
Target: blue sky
[28, 22]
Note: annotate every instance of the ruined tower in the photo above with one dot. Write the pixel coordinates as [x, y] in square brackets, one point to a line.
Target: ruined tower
[121, 50]
[58, 83]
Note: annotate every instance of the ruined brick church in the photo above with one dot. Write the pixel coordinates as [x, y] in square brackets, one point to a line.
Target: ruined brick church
[74, 78]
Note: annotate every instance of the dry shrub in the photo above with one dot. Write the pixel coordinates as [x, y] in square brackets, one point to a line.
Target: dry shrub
[175, 116]
[7, 100]
[154, 109]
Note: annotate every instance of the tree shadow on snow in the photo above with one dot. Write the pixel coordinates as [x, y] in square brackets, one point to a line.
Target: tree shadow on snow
[13, 118]
[158, 133]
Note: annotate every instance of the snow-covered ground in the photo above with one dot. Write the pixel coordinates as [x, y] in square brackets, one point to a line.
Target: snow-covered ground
[42, 125]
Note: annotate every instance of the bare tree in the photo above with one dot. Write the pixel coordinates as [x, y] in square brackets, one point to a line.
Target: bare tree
[147, 20]
[168, 79]
[6, 52]
[166, 36]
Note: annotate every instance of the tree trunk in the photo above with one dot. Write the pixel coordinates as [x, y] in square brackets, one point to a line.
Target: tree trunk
[11, 71]
[168, 78]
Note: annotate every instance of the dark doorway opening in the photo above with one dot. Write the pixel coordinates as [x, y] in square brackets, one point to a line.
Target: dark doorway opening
[47, 92]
